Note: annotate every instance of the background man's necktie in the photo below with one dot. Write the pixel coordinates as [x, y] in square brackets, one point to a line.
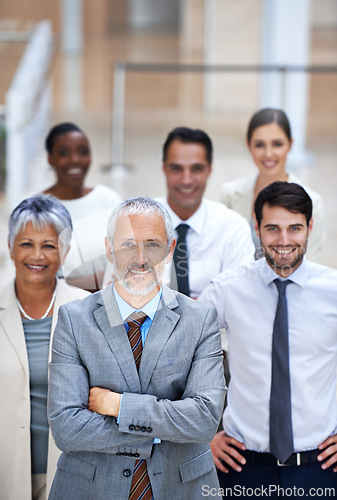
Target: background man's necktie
[281, 433]
[140, 484]
[180, 259]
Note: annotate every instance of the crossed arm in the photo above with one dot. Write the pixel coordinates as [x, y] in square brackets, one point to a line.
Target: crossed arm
[176, 420]
[81, 419]
[226, 452]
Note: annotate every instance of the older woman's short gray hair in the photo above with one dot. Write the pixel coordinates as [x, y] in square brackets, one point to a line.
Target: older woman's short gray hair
[140, 205]
[41, 211]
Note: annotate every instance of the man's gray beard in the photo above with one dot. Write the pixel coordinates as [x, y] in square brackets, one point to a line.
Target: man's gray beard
[137, 289]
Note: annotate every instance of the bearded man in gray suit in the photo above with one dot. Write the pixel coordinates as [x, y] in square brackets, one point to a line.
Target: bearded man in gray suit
[136, 414]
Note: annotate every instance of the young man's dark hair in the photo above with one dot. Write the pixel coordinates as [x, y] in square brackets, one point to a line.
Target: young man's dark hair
[288, 195]
[188, 135]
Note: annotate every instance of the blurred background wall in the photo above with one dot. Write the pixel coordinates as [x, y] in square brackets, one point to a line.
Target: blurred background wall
[89, 37]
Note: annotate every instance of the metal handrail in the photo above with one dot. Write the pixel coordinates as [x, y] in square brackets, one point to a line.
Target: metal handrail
[222, 68]
[121, 67]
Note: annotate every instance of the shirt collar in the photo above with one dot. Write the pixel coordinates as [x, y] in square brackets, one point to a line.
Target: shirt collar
[299, 276]
[149, 309]
[195, 222]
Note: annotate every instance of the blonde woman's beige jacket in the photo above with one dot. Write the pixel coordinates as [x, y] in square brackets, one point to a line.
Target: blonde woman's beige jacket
[239, 196]
[15, 461]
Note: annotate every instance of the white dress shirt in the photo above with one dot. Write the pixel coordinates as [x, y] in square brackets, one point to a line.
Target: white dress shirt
[217, 239]
[246, 300]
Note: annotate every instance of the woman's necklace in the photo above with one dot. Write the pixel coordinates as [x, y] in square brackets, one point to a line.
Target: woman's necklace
[45, 314]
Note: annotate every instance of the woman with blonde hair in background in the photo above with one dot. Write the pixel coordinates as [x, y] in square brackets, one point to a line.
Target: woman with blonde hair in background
[39, 234]
[269, 141]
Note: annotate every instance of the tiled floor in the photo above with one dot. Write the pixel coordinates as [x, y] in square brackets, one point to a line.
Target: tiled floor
[82, 92]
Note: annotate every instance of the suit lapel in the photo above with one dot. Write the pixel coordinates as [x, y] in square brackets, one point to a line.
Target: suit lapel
[110, 323]
[161, 329]
[12, 324]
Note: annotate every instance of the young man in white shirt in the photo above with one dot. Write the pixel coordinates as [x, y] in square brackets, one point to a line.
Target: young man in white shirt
[247, 301]
[217, 238]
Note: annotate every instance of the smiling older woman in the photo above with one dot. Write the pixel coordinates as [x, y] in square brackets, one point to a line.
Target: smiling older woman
[39, 234]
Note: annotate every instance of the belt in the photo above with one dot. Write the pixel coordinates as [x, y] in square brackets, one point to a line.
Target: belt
[303, 457]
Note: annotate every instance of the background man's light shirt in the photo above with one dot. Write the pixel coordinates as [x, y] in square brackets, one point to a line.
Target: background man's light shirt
[218, 239]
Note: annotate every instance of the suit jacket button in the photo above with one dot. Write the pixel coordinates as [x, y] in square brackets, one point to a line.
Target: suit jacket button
[118, 453]
[126, 473]
[131, 427]
[136, 455]
[149, 429]
[143, 428]
[130, 454]
[137, 428]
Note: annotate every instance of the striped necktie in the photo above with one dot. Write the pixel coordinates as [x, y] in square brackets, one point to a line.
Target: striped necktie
[140, 484]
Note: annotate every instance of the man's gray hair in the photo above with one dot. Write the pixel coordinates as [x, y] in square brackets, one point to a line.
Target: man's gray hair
[140, 205]
[41, 211]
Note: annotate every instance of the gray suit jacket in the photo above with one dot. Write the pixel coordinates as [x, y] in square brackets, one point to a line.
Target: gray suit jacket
[177, 396]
